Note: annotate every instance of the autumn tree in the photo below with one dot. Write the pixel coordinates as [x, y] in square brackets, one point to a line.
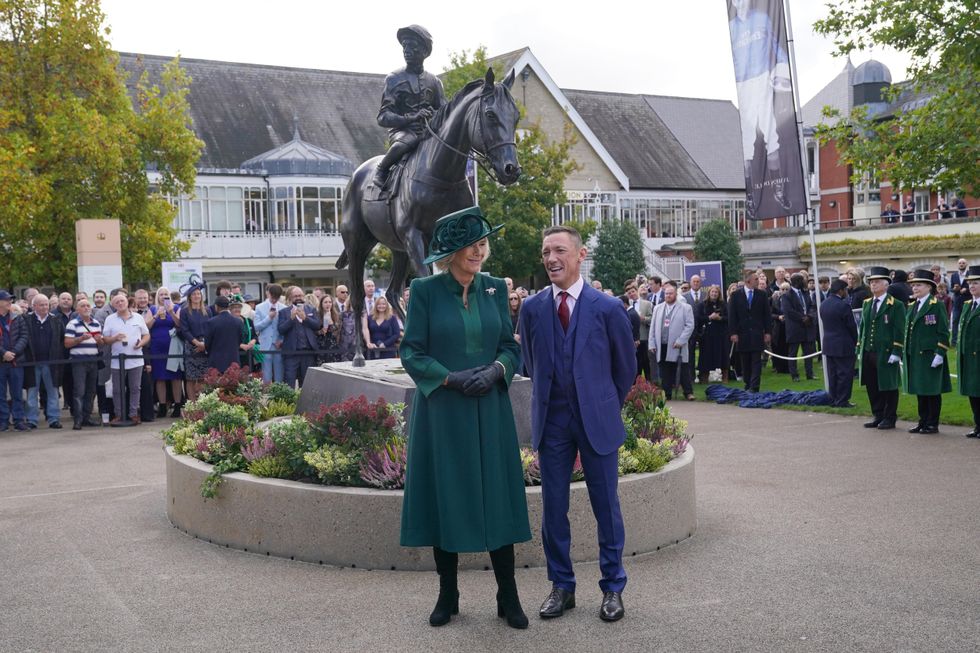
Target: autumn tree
[931, 143]
[618, 254]
[74, 145]
[717, 241]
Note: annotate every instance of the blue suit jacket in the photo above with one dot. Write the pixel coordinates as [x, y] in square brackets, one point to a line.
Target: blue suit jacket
[296, 335]
[604, 363]
[840, 333]
[223, 335]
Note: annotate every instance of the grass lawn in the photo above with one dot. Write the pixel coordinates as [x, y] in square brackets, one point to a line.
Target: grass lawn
[956, 408]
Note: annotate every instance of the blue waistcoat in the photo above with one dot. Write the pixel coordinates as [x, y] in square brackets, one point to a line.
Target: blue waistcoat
[563, 400]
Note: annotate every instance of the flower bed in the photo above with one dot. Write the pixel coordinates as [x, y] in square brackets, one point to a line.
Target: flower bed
[357, 443]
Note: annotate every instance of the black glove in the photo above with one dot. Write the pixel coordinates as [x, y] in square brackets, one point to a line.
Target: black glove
[480, 383]
[456, 380]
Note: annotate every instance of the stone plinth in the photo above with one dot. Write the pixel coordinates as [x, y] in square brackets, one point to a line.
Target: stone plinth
[358, 527]
[334, 382]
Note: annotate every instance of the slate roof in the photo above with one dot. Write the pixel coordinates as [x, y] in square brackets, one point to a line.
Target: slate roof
[242, 110]
[838, 94]
[662, 153]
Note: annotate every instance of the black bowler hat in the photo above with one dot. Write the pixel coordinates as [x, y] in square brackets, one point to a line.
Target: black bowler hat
[923, 276]
[837, 285]
[223, 302]
[878, 272]
[457, 230]
[973, 273]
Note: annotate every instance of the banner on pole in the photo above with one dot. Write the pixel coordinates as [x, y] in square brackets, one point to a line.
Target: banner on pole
[774, 184]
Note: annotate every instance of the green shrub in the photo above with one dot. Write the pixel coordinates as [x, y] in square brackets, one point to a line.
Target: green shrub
[294, 439]
[270, 467]
[281, 392]
[651, 456]
[335, 465]
[277, 408]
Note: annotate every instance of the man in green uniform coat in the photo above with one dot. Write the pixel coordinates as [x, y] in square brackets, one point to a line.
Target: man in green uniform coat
[926, 344]
[968, 348]
[880, 349]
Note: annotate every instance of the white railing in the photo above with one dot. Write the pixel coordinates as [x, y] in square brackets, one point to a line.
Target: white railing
[261, 244]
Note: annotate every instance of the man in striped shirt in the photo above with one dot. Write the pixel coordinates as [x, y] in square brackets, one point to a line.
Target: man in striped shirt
[83, 335]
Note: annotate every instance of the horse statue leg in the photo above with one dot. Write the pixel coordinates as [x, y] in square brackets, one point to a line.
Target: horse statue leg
[358, 243]
[399, 272]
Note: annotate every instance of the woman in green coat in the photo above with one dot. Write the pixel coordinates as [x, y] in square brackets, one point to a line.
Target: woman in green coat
[464, 486]
[926, 344]
[968, 348]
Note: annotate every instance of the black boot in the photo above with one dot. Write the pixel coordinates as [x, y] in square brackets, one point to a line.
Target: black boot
[162, 409]
[176, 410]
[448, 602]
[508, 603]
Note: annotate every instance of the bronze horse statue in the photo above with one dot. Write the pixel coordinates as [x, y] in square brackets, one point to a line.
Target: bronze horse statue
[482, 118]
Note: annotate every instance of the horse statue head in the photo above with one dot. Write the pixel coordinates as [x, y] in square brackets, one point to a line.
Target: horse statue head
[492, 135]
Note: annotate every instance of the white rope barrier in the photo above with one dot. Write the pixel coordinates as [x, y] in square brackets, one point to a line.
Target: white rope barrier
[793, 358]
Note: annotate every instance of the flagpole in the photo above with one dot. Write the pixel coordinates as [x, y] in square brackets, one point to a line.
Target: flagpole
[794, 76]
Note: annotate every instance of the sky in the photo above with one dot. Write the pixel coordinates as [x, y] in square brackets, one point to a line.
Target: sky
[657, 47]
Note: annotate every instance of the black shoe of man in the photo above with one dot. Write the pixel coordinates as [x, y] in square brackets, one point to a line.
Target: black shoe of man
[76, 426]
[916, 429]
[929, 430]
[972, 434]
[557, 602]
[873, 424]
[612, 606]
[54, 425]
[886, 426]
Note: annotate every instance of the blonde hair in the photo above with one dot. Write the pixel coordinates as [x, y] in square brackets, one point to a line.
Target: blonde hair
[375, 313]
[443, 264]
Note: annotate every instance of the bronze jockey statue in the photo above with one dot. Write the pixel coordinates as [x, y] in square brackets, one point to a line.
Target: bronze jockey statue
[411, 97]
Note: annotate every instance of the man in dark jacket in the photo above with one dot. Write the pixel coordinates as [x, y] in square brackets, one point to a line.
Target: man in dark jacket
[298, 327]
[750, 328]
[223, 336]
[13, 345]
[800, 324]
[839, 343]
[45, 342]
[899, 287]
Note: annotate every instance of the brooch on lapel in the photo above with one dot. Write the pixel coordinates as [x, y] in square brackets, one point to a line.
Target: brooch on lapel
[491, 291]
[930, 319]
[886, 318]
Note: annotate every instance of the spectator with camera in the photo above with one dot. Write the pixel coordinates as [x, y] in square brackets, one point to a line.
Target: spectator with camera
[298, 327]
[83, 336]
[127, 332]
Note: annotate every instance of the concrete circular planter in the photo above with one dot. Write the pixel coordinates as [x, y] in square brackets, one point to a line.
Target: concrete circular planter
[359, 527]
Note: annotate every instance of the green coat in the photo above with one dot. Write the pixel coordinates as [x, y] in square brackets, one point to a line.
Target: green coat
[968, 351]
[926, 335]
[884, 336]
[464, 487]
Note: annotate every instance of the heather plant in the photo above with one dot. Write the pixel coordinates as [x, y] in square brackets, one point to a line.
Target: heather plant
[355, 423]
[277, 408]
[384, 468]
[258, 446]
[270, 467]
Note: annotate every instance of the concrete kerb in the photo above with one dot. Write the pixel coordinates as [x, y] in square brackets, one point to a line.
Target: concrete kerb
[359, 527]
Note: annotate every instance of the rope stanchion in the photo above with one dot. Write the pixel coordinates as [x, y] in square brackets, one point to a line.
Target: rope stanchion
[793, 358]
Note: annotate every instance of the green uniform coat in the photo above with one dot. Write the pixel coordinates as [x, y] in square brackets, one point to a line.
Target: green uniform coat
[968, 350]
[926, 335]
[464, 487]
[883, 335]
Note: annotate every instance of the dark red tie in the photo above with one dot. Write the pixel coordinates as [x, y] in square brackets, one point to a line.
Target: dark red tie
[563, 313]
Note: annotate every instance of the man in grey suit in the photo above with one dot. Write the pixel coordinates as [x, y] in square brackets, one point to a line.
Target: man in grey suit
[671, 327]
[644, 309]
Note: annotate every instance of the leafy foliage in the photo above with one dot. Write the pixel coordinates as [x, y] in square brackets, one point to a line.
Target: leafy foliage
[717, 241]
[935, 144]
[334, 465]
[618, 254]
[900, 245]
[355, 422]
[524, 208]
[72, 146]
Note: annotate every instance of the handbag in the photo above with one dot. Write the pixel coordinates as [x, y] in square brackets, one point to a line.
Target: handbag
[176, 349]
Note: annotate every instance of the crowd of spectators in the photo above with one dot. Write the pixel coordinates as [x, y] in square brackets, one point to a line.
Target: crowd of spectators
[125, 358]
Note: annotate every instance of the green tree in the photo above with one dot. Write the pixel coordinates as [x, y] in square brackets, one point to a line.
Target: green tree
[935, 144]
[73, 145]
[525, 207]
[717, 241]
[618, 254]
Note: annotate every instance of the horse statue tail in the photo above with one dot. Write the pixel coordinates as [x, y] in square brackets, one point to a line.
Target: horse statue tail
[342, 260]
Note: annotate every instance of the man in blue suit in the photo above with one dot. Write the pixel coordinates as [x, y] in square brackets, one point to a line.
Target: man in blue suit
[298, 327]
[578, 350]
[840, 337]
[223, 336]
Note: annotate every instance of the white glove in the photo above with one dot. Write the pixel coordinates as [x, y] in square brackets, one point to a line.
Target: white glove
[937, 360]
[892, 359]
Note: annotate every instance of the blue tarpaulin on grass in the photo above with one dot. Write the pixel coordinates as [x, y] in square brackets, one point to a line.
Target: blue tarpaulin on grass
[725, 395]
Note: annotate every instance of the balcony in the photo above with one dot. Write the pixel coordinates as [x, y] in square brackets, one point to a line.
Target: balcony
[262, 244]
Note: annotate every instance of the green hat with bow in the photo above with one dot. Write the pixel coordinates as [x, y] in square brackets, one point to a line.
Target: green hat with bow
[458, 230]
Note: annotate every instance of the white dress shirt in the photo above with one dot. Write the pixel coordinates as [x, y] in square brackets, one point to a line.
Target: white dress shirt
[573, 293]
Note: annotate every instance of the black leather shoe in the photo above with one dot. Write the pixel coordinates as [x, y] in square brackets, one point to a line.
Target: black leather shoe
[886, 426]
[557, 602]
[612, 606]
[873, 424]
[916, 429]
[91, 422]
[76, 427]
[446, 606]
[54, 425]
[971, 434]
[929, 430]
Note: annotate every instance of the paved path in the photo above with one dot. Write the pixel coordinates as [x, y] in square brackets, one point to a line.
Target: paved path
[814, 535]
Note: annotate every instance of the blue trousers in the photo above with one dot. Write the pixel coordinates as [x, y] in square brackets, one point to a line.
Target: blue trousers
[556, 455]
[271, 366]
[52, 404]
[12, 379]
